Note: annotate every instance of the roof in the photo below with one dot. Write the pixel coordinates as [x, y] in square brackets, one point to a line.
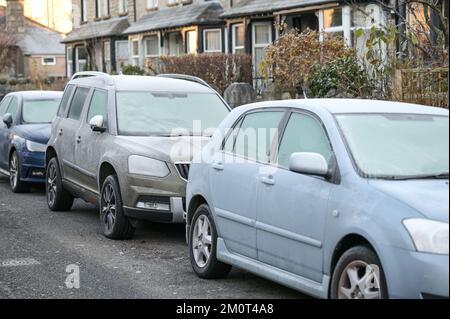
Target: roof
[250, 7]
[93, 30]
[354, 106]
[145, 83]
[37, 95]
[194, 14]
[40, 40]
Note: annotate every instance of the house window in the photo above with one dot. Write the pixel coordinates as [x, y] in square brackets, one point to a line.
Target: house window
[238, 38]
[212, 40]
[175, 44]
[262, 38]
[172, 2]
[81, 58]
[107, 55]
[151, 46]
[84, 10]
[48, 60]
[123, 6]
[69, 61]
[191, 42]
[135, 48]
[152, 4]
[336, 21]
[102, 8]
[122, 54]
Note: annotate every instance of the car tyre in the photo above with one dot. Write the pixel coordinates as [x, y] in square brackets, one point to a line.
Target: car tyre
[203, 246]
[58, 198]
[17, 186]
[359, 275]
[114, 223]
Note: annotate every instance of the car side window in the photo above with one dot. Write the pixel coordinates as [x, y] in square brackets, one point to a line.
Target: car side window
[65, 100]
[256, 135]
[76, 107]
[231, 137]
[13, 108]
[303, 133]
[98, 105]
[4, 104]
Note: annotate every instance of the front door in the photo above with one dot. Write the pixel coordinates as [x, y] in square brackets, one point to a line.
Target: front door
[292, 208]
[233, 180]
[89, 143]
[67, 135]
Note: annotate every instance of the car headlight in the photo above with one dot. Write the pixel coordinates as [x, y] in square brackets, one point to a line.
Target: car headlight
[141, 165]
[36, 147]
[429, 236]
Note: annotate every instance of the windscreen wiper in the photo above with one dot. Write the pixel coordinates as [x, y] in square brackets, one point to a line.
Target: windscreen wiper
[430, 176]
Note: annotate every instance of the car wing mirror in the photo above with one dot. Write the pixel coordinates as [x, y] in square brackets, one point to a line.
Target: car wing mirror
[96, 124]
[309, 164]
[8, 119]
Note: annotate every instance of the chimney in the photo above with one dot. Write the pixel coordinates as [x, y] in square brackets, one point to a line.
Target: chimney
[15, 19]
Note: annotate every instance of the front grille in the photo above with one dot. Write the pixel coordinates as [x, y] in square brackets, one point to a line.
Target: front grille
[183, 169]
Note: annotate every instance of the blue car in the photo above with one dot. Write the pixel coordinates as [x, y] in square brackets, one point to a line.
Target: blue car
[24, 132]
[343, 199]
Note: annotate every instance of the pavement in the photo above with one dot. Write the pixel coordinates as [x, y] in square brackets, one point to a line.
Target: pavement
[37, 246]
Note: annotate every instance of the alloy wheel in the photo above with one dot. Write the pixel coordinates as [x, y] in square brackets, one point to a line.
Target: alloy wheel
[51, 184]
[359, 280]
[14, 171]
[109, 207]
[202, 241]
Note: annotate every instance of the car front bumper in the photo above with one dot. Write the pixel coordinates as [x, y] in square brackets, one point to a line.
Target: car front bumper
[154, 199]
[412, 275]
[32, 167]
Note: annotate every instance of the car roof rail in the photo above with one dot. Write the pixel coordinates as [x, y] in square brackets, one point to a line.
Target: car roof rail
[186, 78]
[86, 74]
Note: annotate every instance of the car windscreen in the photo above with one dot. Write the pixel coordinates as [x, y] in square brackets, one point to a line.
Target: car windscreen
[396, 146]
[166, 114]
[39, 111]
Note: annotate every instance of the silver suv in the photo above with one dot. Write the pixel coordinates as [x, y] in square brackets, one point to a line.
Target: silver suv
[125, 143]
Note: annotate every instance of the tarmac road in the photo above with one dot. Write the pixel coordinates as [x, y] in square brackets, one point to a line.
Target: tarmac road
[36, 246]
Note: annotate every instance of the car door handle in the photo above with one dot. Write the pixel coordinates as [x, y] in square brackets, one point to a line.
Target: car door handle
[268, 180]
[218, 166]
[78, 139]
[60, 133]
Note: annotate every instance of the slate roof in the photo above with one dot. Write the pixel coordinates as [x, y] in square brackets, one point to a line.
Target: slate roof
[40, 40]
[194, 14]
[92, 30]
[251, 7]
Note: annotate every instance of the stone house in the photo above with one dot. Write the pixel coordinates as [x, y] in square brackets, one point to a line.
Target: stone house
[40, 53]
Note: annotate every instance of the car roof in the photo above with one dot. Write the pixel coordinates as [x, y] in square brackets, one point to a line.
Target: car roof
[354, 106]
[143, 83]
[37, 95]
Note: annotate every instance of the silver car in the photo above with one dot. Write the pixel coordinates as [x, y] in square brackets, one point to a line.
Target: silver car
[336, 198]
[125, 143]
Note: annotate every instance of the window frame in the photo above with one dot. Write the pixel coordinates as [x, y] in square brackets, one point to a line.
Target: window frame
[84, 11]
[48, 57]
[152, 4]
[67, 116]
[205, 31]
[234, 37]
[238, 125]
[144, 40]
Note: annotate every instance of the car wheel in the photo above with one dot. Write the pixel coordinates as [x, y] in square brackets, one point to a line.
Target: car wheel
[203, 246]
[114, 223]
[359, 275]
[17, 186]
[58, 198]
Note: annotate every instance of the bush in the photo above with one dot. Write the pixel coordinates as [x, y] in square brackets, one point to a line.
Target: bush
[132, 70]
[343, 76]
[3, 81]
[12, 82]
[219, 70]
[291, 58]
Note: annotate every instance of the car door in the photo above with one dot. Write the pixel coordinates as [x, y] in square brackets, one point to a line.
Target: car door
[4, 135]
[292, 207]
[233, 180]
[89, 143]
[67, 135]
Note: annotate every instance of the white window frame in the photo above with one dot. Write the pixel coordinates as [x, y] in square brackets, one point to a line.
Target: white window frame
[152, 4]
[144, 40]
[234, 37]
[345, 28]
[107, 57]
[84, 13]
[135, 58]
[69, 61]
[189, 32]
[47, 57]
[123, 6]
[205, 31]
